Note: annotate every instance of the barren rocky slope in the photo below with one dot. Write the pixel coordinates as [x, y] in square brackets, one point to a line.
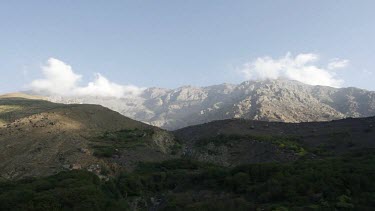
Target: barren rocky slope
[39, 138]
[272, 100]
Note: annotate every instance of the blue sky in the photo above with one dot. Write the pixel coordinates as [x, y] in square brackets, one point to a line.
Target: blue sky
[175, 43]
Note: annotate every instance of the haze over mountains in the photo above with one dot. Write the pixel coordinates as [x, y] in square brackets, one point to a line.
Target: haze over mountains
[268, 100]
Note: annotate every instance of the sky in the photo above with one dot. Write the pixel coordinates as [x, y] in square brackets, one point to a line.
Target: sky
[119, 48]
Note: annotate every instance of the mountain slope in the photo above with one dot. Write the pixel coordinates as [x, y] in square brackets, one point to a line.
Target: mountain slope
[238, 141]
[272, 100]
[40, 138]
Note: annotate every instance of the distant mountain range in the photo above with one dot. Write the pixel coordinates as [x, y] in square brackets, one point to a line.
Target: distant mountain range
[270, 100]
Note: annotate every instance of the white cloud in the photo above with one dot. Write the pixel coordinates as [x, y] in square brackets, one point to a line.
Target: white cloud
[103, 87]
[60, 79]
[338, 64]
[301, 68]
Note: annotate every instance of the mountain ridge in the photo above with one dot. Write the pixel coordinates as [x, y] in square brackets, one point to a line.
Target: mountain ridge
[268, 100]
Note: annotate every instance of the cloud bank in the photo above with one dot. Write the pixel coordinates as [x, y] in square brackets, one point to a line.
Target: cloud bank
[302, 67]
[60, 79]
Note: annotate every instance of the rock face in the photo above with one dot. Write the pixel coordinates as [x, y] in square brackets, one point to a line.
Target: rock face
[271, 100]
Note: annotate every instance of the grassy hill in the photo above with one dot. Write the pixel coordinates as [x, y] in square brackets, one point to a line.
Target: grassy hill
[41, 138]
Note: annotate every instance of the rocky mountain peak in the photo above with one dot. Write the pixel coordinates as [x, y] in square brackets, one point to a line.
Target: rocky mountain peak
[270, 100]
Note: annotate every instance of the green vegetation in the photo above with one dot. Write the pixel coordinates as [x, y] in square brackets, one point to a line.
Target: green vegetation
[323, 149]
[343, 183]
[176, 148]
[335, 183]
[219, 140]
[74, 190]
[285, 142]
[335, 140]
[110, 143]
[340, 137]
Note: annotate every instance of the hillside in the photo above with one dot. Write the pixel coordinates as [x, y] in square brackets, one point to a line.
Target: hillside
[40, 138]
[272, 100]
[237, 141]
[340, 183]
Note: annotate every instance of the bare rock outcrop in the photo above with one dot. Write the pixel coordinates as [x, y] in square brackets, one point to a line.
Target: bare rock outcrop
[270, 100]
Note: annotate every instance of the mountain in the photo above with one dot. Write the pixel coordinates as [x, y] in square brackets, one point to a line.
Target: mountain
[40, 138]
[87, 157]
[270, 100]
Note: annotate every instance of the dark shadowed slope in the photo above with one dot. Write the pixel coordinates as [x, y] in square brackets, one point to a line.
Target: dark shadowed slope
[238, 141]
